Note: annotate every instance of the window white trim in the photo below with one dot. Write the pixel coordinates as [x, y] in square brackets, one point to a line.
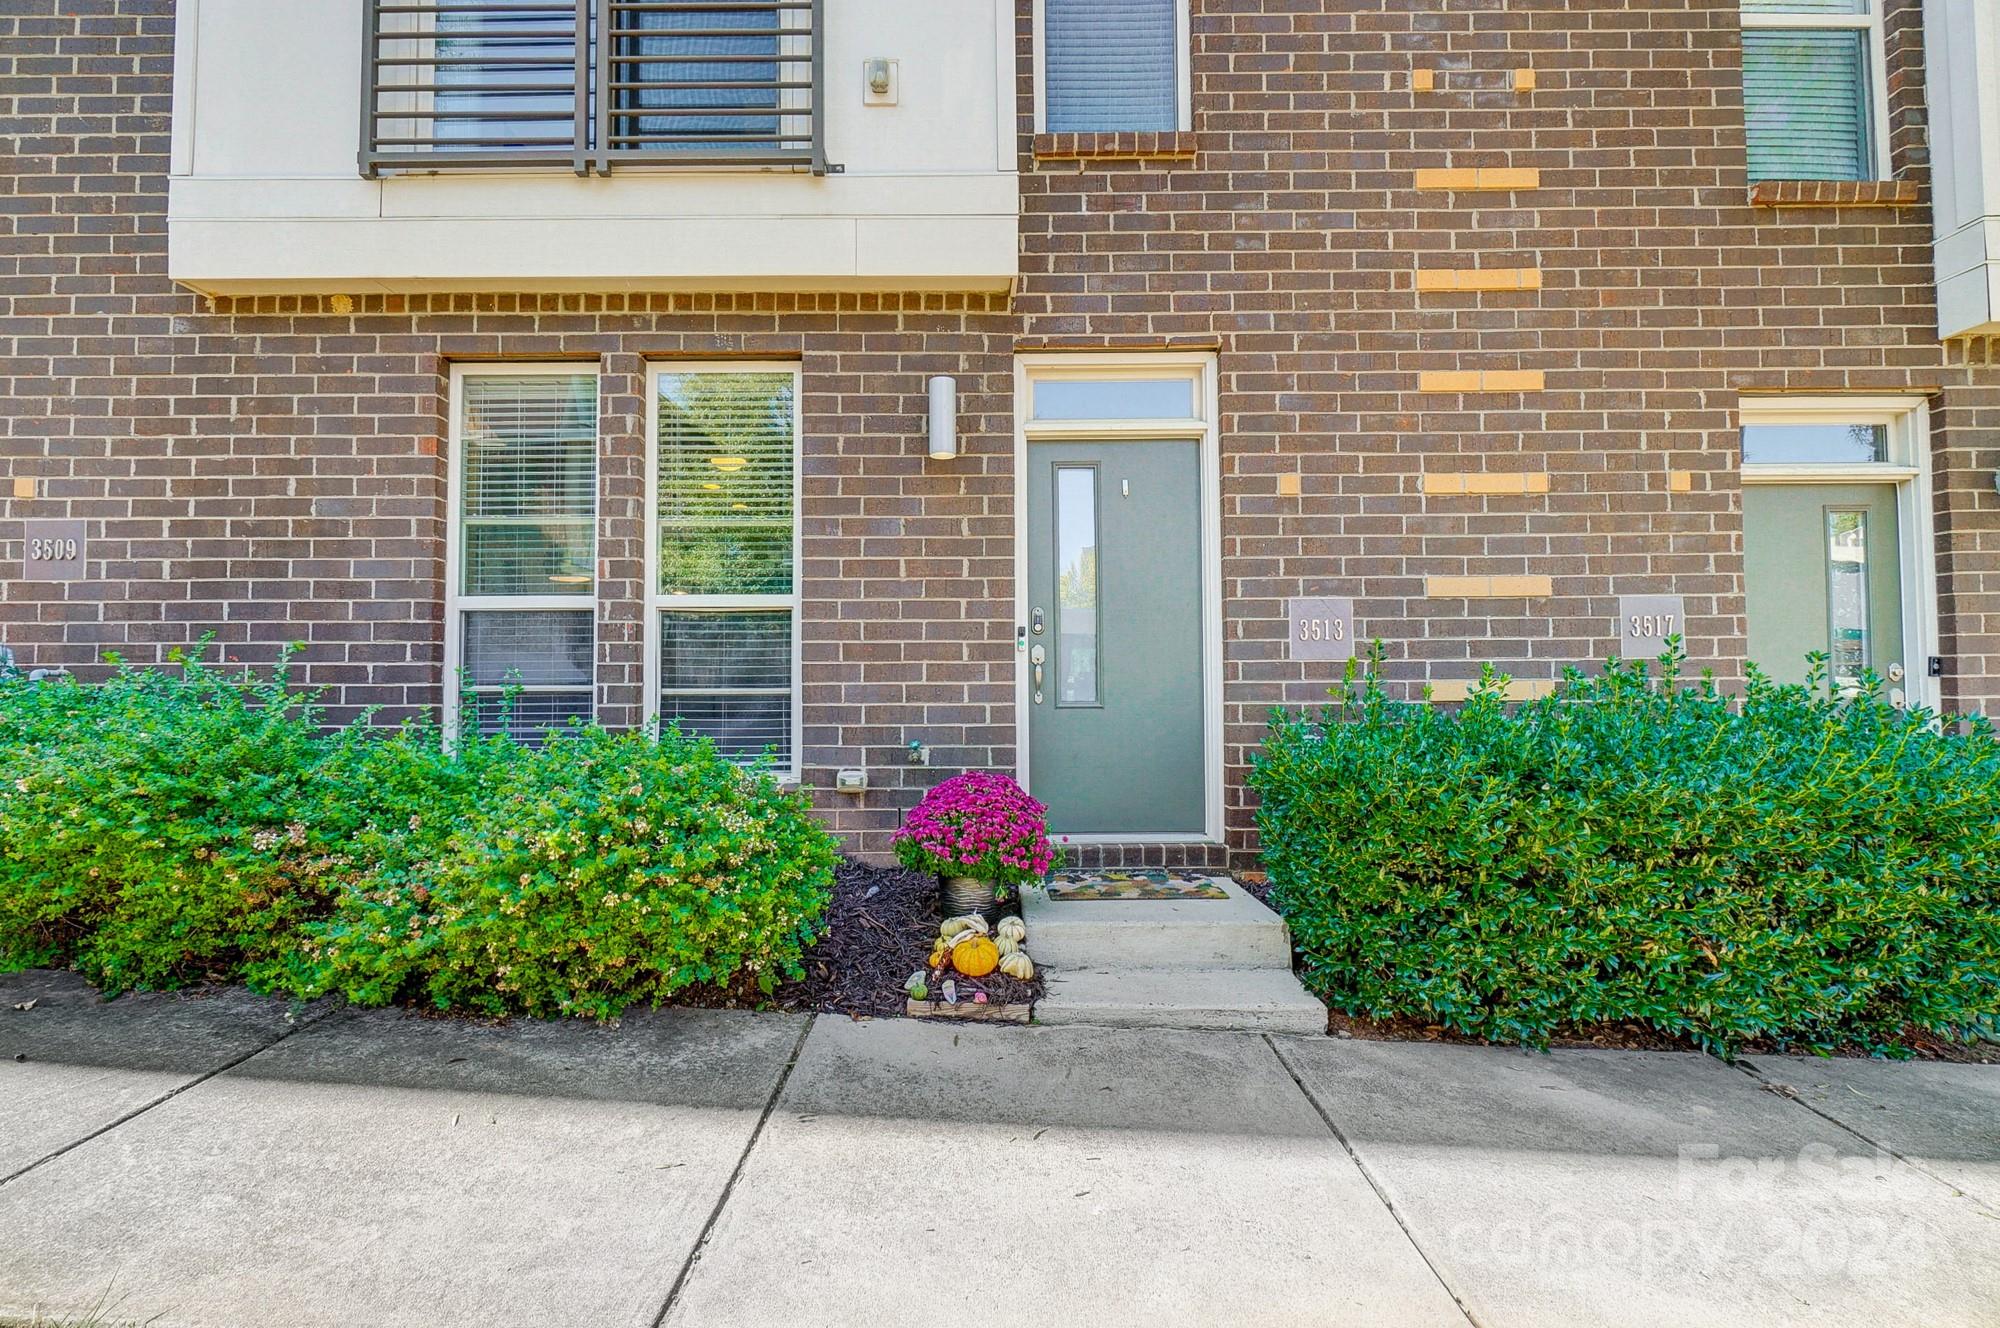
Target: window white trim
[456, 603]
[1878, 73]
[1908, 467]
[1183, 73]
[657, 603]
[1203, 429]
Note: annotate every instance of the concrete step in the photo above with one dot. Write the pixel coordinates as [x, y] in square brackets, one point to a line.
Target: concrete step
[1237, 932]
[1254, 1000]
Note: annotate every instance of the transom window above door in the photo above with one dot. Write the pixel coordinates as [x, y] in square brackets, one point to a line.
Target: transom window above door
[1813, 89]
[1107, 66]
[722, 631]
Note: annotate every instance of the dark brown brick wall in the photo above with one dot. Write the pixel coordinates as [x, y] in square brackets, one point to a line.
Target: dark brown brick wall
[271, 470]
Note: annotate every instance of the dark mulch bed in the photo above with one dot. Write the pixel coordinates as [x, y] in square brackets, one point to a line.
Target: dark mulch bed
[880, 930]
[1638, 1037]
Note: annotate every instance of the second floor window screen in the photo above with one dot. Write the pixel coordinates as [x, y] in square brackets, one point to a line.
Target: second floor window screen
[591, 85]
[1110, 65]
[687, 74]
[1806, 89]
[505, 81]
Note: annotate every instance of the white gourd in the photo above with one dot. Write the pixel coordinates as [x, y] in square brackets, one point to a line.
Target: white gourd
[1018, 965]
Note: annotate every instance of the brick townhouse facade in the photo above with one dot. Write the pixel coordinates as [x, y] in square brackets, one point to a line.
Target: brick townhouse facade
[1481, 292]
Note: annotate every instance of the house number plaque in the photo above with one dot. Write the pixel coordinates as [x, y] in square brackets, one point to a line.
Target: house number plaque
[1320, 629]
[1646, 621]
[53, 550]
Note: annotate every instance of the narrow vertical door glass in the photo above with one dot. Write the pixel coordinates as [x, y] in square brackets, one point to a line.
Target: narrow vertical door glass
[1847, 595]
[1076, 586]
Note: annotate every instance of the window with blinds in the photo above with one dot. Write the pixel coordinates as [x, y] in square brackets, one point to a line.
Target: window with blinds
[725, 612]
[503, 77]
[1807, 89]
[689, 71]
[524, 523]
[1110, 65]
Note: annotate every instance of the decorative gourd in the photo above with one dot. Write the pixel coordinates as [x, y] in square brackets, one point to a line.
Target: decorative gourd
[1014, 927]
[952, 928]
[1007, 945]
[975, 955]
[1018, 965]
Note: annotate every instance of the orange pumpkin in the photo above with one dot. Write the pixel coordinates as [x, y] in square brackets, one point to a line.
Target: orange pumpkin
[975, 955]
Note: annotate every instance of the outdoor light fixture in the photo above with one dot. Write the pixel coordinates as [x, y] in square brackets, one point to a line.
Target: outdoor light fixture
[943, 419]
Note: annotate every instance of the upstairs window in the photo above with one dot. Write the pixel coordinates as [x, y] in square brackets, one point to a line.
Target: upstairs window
[1112, 65]
[1812, 88]
[592, 85]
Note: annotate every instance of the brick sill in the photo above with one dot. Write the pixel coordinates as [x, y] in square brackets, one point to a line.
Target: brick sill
[1122, 146]
[1833, 193]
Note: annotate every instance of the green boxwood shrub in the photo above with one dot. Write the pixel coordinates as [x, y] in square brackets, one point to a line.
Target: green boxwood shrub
[171, 825]
[1785, 865]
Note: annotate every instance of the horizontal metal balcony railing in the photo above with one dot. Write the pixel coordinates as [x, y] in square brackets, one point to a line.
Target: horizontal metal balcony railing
[590, 85]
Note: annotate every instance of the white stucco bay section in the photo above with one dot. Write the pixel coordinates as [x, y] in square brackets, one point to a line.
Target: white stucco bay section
[266, 193]
[1961, 53]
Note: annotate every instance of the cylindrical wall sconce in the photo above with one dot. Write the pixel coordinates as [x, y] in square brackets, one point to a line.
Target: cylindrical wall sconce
[943, 418]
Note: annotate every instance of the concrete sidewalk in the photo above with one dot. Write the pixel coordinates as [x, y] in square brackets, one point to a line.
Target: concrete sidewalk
[227, 1163]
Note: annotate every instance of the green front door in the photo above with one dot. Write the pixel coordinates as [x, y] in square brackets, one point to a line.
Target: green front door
[1115, 740]
[1822, 572]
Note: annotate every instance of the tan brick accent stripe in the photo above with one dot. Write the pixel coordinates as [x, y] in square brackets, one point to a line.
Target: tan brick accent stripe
[1524, 80]
[1483, 482]
[1480, 380]
[1514, 689]
[1479, 279]
[1680, 481]
[1422, 80]
[1479, 177]
[1488, 587]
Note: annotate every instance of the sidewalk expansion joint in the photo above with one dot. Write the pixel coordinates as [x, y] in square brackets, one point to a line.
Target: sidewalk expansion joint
[735, 1174]
[298, 1026]
[1791, 1094]
[1374, 1184]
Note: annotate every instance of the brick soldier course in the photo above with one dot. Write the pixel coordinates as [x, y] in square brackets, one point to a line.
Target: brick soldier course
[1484, 281]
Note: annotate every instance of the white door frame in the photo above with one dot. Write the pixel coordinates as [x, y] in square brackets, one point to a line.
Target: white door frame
[1908, 467]
[1204, 430]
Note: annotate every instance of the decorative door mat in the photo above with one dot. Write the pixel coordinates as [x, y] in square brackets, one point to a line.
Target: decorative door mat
[1146, 883]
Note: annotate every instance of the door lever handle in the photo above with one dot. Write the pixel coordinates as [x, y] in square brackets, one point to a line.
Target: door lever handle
[1035, 657]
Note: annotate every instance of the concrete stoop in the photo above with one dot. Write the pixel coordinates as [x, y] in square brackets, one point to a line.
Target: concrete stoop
[1223, 964]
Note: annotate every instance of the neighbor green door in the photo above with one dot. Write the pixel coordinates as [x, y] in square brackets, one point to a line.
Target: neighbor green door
[1115, 739]
[1822, 572]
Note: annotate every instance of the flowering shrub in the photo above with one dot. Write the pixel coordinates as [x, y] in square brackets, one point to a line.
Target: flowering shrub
[172, 825]
[600, 871]
[980, 825]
